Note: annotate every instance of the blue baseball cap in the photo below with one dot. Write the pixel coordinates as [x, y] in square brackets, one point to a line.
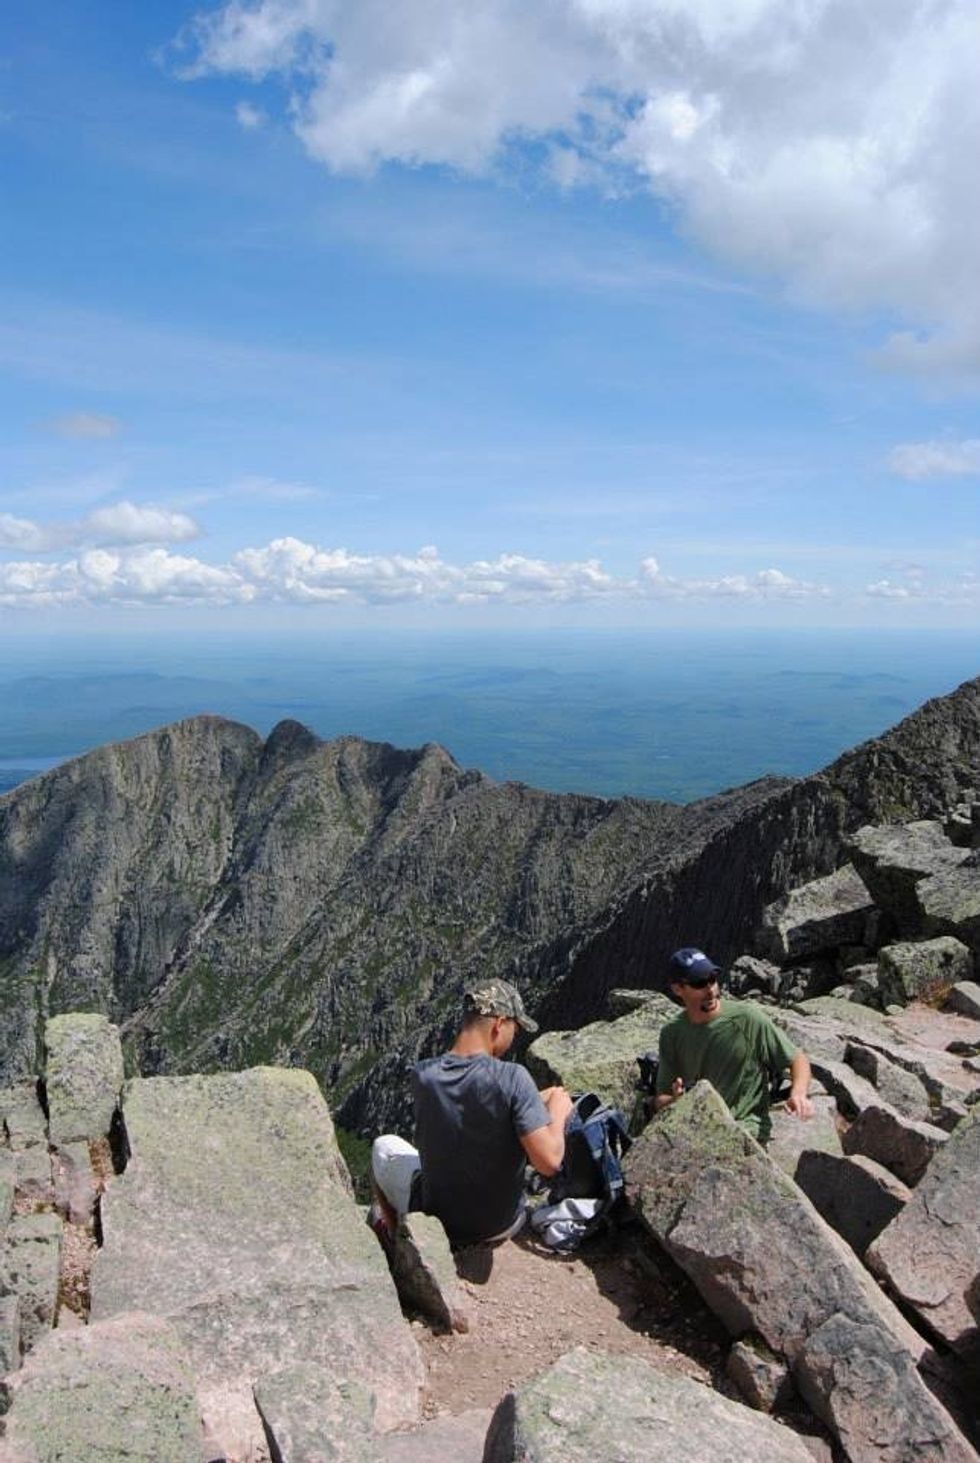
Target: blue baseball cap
[691, 964]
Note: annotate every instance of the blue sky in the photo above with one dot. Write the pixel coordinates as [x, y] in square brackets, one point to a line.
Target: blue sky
[320, 313]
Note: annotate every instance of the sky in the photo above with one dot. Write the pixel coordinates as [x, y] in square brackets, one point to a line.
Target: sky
[450, 313]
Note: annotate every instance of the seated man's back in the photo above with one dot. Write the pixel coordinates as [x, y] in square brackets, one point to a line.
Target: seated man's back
[470, 1115]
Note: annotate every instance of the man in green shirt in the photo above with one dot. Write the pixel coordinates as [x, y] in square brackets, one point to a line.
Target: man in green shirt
[733, 1044]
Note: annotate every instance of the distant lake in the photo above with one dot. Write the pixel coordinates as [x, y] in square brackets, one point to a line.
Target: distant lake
[665, 714]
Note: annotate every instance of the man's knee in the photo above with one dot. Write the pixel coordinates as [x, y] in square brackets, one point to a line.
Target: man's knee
[394, 1164]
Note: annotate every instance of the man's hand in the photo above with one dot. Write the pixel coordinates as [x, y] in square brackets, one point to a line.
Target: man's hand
[664, 1099]
[798, 1101]
[559, 1104]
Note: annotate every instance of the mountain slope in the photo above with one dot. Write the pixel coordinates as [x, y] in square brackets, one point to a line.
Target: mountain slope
[231, 901]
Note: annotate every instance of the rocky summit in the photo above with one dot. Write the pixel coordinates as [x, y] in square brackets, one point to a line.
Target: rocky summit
[230, 902]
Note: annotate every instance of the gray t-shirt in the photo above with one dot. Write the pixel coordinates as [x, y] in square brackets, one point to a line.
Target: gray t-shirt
[470, 1114]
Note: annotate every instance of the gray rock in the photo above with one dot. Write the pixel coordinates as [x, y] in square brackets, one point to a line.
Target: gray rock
[7, 1181]
[865, 1387]
[591, 1407]
[931, 1069]
[424, 1273]
[903, 1146]
[893, 859]
[83, 1076]
[748, 975]
[851, 1092]
[765, 1261]
[33, 1258]
[964, 998]
[867, 987]
[762, 1378]
[22, 1115]
[621, 1002]
[817, 916]
[231, 1219]
[899, 1088]
[601, 1057]
[916, 970]
[33, 1174]
[791, 1137]
[930, 1254]
[312, 1416]
[74, 1183]
[950, 902]
[9, 1334]
[855, 1195]
[120, 1390]
[456, 1439]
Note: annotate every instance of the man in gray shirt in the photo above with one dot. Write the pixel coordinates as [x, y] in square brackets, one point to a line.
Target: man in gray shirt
[478, 1121]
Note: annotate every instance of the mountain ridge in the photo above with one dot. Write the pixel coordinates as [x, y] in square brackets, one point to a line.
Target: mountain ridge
[230, 900]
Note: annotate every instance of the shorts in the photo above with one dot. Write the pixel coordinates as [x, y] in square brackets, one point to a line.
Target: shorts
[394, 1164]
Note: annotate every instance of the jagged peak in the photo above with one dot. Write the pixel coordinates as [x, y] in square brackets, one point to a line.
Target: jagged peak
[289, 741]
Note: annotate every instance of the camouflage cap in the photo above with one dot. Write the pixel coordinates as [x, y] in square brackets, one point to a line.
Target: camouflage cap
[497, 998]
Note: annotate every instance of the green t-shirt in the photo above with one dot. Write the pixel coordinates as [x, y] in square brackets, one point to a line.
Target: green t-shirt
[738, 1052]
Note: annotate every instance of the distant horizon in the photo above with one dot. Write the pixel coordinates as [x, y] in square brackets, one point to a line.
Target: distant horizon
[676, 715]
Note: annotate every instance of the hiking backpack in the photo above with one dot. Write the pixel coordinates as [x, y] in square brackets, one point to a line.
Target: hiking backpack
[590, 1180]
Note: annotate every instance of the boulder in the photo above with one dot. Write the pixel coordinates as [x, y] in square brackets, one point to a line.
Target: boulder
[232, 1221]
[757, 1250]
[792, 1137]
[123, 1389]
[8, 1169]
[457, 1438]
[893, 859]
[33, 1261]
[865, 1387]
[620, 1002]
[964, 998]
[592, 1407]
[851, 1092]
[601, 1057]
[22, 1115]
[309, 1415]
[83, 1076]
[950, 902]
[32, 1168]
[929, 1255]
[899, 1088]
[867, 986]
[902, 1145]
[748, 976]
[74, 1183]
[424, 1273]
[855, 1195]
[762, 1378]
[916, 970]
[9, 1334]
[817, 917]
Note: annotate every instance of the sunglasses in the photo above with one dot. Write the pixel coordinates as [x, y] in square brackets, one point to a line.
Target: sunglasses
[701, 982]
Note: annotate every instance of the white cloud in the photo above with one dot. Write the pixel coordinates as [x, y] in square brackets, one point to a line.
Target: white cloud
[831, 143]
[87, 425]
[113, 524]
[766, 584]
[137, 523]
[917, 460]
[289, 571]
[248, 117]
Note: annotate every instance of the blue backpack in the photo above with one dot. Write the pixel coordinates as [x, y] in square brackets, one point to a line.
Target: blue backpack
[596, 1140]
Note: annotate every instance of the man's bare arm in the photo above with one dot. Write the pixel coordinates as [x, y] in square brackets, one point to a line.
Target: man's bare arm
[799, 1090]
[545, 1147]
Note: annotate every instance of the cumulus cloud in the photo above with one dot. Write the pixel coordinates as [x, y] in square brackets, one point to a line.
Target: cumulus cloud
[765, 584]
[115, 523]
[916, 460]
[86, 425]
[289, 571]
[833, 144]
[248, 117]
